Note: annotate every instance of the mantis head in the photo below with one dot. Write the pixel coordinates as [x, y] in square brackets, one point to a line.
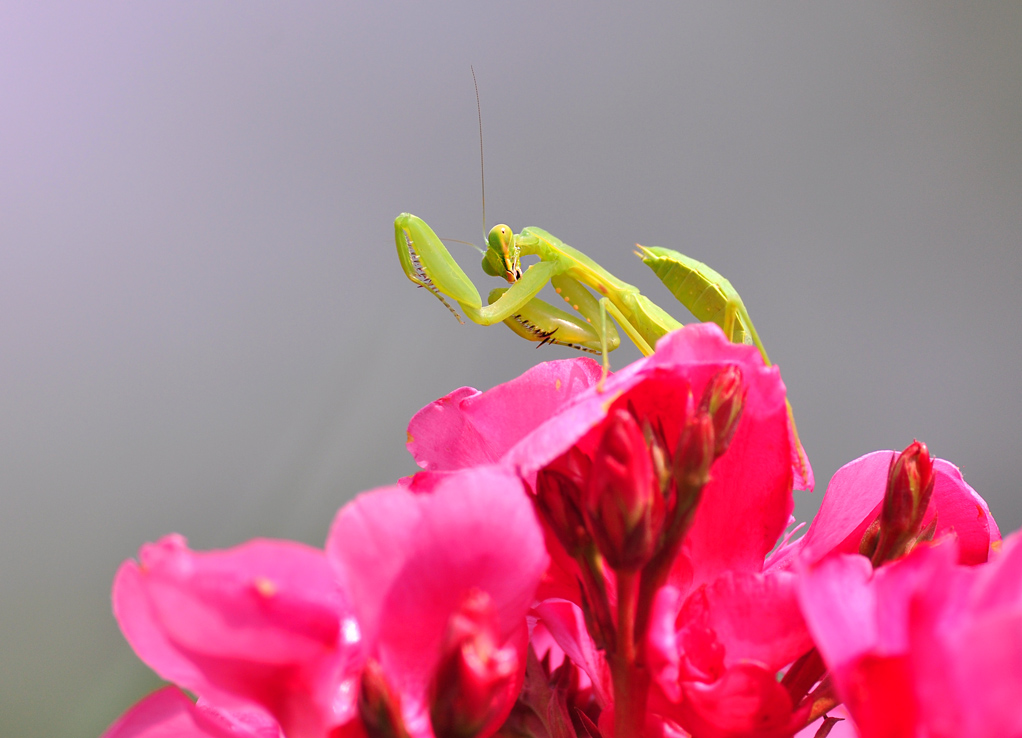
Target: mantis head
[503, 257]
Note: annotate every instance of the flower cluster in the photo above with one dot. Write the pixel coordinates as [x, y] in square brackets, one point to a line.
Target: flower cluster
[587, 559]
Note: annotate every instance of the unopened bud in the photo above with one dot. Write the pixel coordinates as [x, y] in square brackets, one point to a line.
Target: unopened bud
[696, 452]
[724, 400]
[624, 505]
[378, 705]
[475, 675]
[558, 499]
[909, 487]
[660, 455]
[692, 461]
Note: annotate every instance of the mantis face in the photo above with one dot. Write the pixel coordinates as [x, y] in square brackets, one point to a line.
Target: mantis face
[503, 248]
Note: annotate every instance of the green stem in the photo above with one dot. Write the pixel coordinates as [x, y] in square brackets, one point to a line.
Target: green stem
[631, 683]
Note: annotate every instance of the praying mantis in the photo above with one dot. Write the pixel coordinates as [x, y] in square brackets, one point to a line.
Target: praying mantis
[707, 294]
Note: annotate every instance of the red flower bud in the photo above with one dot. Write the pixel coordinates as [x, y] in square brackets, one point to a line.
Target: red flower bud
[558, 499]
[378, 705]
[909, 487]
[624, 505]
[724, 399]
[692, 461]
[696, 452]
[475, 676]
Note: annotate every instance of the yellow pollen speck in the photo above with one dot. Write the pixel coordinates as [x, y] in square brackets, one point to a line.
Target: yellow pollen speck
[408, 438]
[265, 587]
[557, 384]
[995, 546]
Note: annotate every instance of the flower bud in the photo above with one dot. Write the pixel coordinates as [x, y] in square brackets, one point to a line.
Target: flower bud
[692, 461]
[724, 400]
[624, 506]
[558, 499]
[696, 452]
[660, 455]
[475, 676]
[378, 705]
[909, 487]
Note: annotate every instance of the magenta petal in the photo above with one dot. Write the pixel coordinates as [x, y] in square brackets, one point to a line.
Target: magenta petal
[746, 701]
[468, 427]
[168, 713]
[662, 651]
[966, 633]
[757, 618]
[261, 624]
[851, 503]
[565, 622]
[854, 497]
[748, 501]
[409, 560]
[959, 508]
[877, 690]
[839, 606]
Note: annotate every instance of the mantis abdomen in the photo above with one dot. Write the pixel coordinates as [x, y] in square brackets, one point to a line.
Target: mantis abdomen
[708, 296]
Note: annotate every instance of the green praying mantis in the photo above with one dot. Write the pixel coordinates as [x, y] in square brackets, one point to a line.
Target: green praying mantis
[706, 294]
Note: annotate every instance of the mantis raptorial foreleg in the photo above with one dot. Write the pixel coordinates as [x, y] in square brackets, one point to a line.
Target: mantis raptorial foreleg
[427, 263]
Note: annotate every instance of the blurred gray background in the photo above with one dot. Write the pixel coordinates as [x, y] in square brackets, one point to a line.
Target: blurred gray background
[204, 327]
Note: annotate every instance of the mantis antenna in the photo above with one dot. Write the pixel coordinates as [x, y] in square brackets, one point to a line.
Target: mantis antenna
[482, 169]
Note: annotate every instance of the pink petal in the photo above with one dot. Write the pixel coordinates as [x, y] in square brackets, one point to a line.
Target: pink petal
[409, 559]
[168, 713]
[851, 503]
[566, 624]
[869, 628]
[261, 624]
[748, 501]
[468, 427]
[959, 508]
[757, 618]
[662, 651]
[747, 701]
[839, 606]
[854, 497]
[966, 631]
[877, 690]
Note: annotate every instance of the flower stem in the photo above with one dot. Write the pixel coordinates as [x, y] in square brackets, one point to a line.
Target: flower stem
[631, 683]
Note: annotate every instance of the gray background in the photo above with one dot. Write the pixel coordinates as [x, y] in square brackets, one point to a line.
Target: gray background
[204, 328]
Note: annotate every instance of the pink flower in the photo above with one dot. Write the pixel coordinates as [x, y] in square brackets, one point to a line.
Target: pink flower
[923, 646]
[263, 625]
[715, 650]
[597, 461]
[441, 583]
[854, 499]
[168, 713]
[528, 422]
